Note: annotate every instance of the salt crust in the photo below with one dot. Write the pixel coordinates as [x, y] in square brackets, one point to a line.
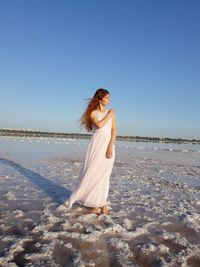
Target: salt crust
[146, 194]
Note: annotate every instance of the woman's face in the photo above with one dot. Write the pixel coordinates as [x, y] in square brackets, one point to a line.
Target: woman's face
[105, 100]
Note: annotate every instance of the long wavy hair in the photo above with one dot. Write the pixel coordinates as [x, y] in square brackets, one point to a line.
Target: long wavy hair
[93, 103]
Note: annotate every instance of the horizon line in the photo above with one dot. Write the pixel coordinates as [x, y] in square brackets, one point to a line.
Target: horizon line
[123, 136]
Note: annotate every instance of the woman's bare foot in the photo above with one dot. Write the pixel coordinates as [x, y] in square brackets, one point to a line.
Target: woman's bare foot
[105, 210]
[96, 210]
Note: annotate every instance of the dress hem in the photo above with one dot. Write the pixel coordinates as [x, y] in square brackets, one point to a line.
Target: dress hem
[87, 204]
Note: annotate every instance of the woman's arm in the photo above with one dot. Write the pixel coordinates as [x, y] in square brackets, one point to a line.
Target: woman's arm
[102, 122]
[109, 152]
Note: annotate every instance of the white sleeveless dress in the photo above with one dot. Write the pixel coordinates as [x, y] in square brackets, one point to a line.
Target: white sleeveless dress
[92, 185]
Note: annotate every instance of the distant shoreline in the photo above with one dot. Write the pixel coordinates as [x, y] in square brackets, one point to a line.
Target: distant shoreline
[27, 133]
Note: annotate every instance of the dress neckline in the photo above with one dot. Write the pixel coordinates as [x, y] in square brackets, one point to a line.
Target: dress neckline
[102, 112]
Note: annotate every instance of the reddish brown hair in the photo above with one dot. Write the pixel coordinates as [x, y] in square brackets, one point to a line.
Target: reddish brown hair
[92, 105]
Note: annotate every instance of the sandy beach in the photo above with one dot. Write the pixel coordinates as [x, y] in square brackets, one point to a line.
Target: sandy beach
[154, 199]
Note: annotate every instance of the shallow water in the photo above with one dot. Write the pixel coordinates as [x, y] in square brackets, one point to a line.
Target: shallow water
[154, 199]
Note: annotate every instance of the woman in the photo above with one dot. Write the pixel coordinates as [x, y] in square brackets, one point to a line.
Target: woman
[92, 186]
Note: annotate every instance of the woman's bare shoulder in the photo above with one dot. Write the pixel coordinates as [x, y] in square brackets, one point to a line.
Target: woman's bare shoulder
[93, 113]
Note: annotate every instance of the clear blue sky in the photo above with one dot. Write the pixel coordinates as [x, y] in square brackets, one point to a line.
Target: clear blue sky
[54, 54]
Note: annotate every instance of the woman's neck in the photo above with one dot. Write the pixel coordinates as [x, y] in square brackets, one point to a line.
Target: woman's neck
[101, 108]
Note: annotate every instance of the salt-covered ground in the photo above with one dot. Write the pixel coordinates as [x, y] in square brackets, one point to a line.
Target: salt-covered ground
[154, 199]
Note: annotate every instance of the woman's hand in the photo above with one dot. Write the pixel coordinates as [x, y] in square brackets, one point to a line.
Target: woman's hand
[109, 152]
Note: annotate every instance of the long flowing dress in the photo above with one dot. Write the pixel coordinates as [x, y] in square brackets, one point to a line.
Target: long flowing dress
[92, 186]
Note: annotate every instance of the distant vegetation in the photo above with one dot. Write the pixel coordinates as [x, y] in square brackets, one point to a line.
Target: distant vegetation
[29, 133]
